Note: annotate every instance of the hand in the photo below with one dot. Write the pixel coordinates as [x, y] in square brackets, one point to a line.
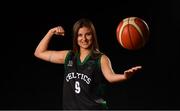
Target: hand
[57, 30]
[128, 73]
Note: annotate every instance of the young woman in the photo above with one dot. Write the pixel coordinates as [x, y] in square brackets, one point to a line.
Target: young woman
[86, 68]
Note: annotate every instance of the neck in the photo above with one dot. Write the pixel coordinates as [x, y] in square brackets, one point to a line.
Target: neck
[84, 52]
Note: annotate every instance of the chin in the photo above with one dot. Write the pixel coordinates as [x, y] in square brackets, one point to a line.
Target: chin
[86, 47]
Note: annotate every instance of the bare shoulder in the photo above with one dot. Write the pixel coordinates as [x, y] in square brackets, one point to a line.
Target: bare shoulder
[104, 59]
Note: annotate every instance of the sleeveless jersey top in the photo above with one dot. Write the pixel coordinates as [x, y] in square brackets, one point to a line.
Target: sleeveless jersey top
[83, 82]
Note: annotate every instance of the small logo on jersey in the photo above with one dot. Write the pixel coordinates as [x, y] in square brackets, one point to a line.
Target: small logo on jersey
[89, 68]
[70, 63]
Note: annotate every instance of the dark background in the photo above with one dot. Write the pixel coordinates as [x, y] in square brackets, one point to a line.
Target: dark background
[30, 83]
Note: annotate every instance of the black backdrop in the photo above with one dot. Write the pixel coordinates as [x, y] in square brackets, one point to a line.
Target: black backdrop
[30, 83]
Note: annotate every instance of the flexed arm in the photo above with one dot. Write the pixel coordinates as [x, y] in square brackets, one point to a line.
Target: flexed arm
[53, 56]
[113, 77]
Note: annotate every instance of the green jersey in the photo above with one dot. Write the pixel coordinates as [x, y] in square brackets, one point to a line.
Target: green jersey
[83, 82]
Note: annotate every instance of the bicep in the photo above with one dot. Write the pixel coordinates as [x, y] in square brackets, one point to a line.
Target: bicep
[106, 67]
[54, 56]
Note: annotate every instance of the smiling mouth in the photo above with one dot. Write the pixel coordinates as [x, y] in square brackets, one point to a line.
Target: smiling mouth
[84, 43]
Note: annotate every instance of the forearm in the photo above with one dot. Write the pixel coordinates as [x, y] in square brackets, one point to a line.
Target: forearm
[43, 45]
[117, 78]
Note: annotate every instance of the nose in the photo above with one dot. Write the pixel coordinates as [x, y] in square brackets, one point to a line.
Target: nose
[84, 37]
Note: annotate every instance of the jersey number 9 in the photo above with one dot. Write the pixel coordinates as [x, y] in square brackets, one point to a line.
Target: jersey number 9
[77, 87]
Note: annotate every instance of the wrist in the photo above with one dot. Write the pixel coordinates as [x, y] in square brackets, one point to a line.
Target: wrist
[50, 32]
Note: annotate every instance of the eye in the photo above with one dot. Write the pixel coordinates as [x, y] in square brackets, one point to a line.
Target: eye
[79, 35]
[89, 34]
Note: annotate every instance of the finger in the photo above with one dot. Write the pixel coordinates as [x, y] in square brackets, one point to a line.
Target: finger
[62, 34]
[61, 31]
[127, 71]
[130, 70]
[137, 67]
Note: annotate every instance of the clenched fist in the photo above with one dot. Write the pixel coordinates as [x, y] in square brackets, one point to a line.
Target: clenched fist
[58, 30]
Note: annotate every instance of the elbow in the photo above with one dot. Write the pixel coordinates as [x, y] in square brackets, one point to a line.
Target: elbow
[115, 81]
[111, 81]
[36, 54]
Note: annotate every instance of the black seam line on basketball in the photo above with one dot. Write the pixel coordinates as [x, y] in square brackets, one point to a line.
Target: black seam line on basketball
[132, 45]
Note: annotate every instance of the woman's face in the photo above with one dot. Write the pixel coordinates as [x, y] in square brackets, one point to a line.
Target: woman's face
[84, 38]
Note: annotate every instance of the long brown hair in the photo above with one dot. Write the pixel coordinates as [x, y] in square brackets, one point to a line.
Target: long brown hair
[84, 23]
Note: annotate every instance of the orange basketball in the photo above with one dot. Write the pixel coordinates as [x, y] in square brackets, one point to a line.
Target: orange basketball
[132, 33]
